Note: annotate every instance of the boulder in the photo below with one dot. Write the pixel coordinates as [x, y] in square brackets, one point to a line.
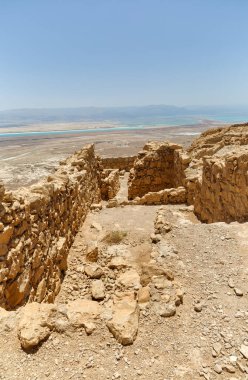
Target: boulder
[36, 323]
[125, 321]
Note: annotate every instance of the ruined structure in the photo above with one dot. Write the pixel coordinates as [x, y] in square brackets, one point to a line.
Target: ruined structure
[153, 169]
[38, 226]
[211, 175]
[120, 163]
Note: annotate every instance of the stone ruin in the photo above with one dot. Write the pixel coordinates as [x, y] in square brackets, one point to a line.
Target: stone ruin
[211, 175]
[38, 224]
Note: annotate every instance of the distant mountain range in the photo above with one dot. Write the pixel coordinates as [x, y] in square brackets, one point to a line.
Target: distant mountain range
[139, 114]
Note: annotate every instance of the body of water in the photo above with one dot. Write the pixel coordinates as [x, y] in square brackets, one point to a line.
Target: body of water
[180, 121]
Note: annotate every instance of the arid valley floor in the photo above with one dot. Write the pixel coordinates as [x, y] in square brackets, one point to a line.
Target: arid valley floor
[24, 160]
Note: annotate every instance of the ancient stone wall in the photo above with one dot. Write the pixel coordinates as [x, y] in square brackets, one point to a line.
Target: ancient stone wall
[154, 169]
[38, 225]
[121, 163]
[222, 193]
[181, 162]
[110, 183]
[162, 197]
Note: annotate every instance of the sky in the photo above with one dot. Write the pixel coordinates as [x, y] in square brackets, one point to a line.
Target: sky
[72, 53]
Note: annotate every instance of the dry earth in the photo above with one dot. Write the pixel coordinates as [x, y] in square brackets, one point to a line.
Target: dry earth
[24, 160]
[202, 340]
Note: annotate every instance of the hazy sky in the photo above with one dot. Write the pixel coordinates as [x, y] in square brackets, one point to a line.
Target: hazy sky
[57, 53]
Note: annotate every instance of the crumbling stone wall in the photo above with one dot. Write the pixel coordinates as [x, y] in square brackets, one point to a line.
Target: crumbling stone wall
[121, 163]
[37, 228]
[154, 169]
[181, 163]
[110, 183]
[162, 197]
[222, 192]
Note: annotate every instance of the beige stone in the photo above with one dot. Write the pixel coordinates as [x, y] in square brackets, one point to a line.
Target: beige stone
[36, 323]
[93, 270]
[129, 280]
[83, 313]
[144, 295]
[98, 290]
[117, 262]
[125, 322]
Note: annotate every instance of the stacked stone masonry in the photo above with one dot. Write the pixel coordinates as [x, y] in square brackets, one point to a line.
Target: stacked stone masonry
[110, 183]
[154, 169]
[38, 225]
[121, 163]
[222, 193]
[211, 175]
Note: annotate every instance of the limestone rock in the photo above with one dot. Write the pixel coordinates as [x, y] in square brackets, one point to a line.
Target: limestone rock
[8, 320]
[36, 323]
[117, 262]
[125, 321]
[166, 310]
[143, 295]
[150, 270]
[93, 271]
[83, 313]
[129, 280]
[98, 290]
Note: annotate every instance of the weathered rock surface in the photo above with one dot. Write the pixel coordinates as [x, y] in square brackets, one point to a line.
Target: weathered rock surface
[153, 169]
[36, 323]
[125, 321]
[38, 226]
[120, 163]
[110, 183]
[84, 313]
[98, 290]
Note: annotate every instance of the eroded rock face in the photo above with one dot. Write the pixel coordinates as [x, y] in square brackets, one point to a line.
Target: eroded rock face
[125, 322]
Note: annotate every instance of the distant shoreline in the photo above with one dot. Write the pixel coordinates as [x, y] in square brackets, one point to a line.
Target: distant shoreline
[47, 129]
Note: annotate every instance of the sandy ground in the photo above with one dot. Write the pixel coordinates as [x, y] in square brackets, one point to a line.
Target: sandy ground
[190, 345]
[24, 160]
